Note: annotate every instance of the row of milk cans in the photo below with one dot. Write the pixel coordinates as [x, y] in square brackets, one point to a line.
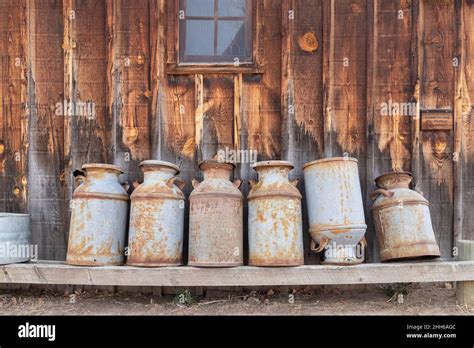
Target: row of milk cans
[106, 230]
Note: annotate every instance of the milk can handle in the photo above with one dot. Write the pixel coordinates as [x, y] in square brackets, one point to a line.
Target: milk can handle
[176, 180]
[237, 183]
[79, 176]
[195, 183]
[252, 183]
[295, 182]
[322, 245]
[382, 192]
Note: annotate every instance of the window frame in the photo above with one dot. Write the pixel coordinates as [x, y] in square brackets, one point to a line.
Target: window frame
[174, 66]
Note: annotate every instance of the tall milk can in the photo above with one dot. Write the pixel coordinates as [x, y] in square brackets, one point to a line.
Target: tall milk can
[15, 239]
[275, 220]
[335, 209]
[157, 217]
[215, 218]
[402, 219]
[99, 217]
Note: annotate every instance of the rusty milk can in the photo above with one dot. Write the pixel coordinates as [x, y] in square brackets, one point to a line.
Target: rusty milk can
[15, 238]
[157, 217]
[99, 217]
[402, 219]
[275, 220]
[215, 218]
[335, 209]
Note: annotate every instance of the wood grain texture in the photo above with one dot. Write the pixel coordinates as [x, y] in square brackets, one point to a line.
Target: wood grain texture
[465, 290]
[309, 99]
[437, 92]
[390, 87]
[48, 204]
[467, 119]
[261, 94]
[13, 106]
[302, 134]
[133, 94]
[56, 273]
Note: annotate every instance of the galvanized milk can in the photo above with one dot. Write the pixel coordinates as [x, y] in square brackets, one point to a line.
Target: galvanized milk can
[15, 238]
[335, 209]
[215, 218]
[157, 217]
[275, 220]
[99, 217]
[402, 219]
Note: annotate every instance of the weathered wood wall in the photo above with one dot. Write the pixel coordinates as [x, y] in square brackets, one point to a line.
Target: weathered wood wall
[328, 66]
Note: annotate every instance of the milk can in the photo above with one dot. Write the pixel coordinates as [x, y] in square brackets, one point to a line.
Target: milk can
[402, 219]
[275, 220]
[99, 217]
[157, 217]
[215, 218]
[335, 209]
[15, 239]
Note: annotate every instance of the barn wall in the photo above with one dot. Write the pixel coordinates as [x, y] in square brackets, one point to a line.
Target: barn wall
[328, 67]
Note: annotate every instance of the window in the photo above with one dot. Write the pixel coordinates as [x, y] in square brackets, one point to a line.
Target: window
[215, 31]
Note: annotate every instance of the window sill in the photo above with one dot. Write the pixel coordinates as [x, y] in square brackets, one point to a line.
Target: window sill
[173, 69]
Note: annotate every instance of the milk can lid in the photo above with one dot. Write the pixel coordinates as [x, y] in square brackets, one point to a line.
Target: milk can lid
[102, 166]
[158, 163]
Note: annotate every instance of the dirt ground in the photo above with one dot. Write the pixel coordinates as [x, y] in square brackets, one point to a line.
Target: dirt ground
[409, 299]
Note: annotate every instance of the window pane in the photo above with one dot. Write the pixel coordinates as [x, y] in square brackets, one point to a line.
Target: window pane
[200, 8]
[230, 38]
[231, 8]
[199, 38]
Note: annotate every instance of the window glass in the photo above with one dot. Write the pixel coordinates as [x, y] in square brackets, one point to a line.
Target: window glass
[231, 8]
[196, 30]
[230, 38]
[200, 8]
[215, 31]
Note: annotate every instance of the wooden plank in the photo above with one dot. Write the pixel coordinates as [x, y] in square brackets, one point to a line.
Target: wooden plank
[345, 73]
[48, 203]
[132, 82]
[389, 95]
[467, 115]
[57, 273]
[91, 129]
[13, 111]
[302, 102]
[437, 92]
[465, 290]
[214, 114]
[261, 94]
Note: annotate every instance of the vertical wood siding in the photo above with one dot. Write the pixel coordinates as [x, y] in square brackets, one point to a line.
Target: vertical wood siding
[328, 68]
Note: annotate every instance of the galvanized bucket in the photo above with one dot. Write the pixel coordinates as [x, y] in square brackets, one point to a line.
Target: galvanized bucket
[275, 220]
[215, 218]
[335, 209]
[402, 219]
[99, 217]
[15, 238]
[157, 217]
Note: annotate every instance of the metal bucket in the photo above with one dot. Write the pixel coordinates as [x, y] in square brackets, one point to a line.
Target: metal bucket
[15, 238]
[99, 217]
[275, 220]
[335, 209]
[215, 218]
[157, 217]
[402, 219]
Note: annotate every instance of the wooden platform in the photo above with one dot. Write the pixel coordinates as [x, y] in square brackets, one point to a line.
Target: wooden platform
[376, 273]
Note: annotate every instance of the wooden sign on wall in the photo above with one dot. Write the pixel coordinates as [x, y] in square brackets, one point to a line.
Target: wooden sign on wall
[436, 120]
